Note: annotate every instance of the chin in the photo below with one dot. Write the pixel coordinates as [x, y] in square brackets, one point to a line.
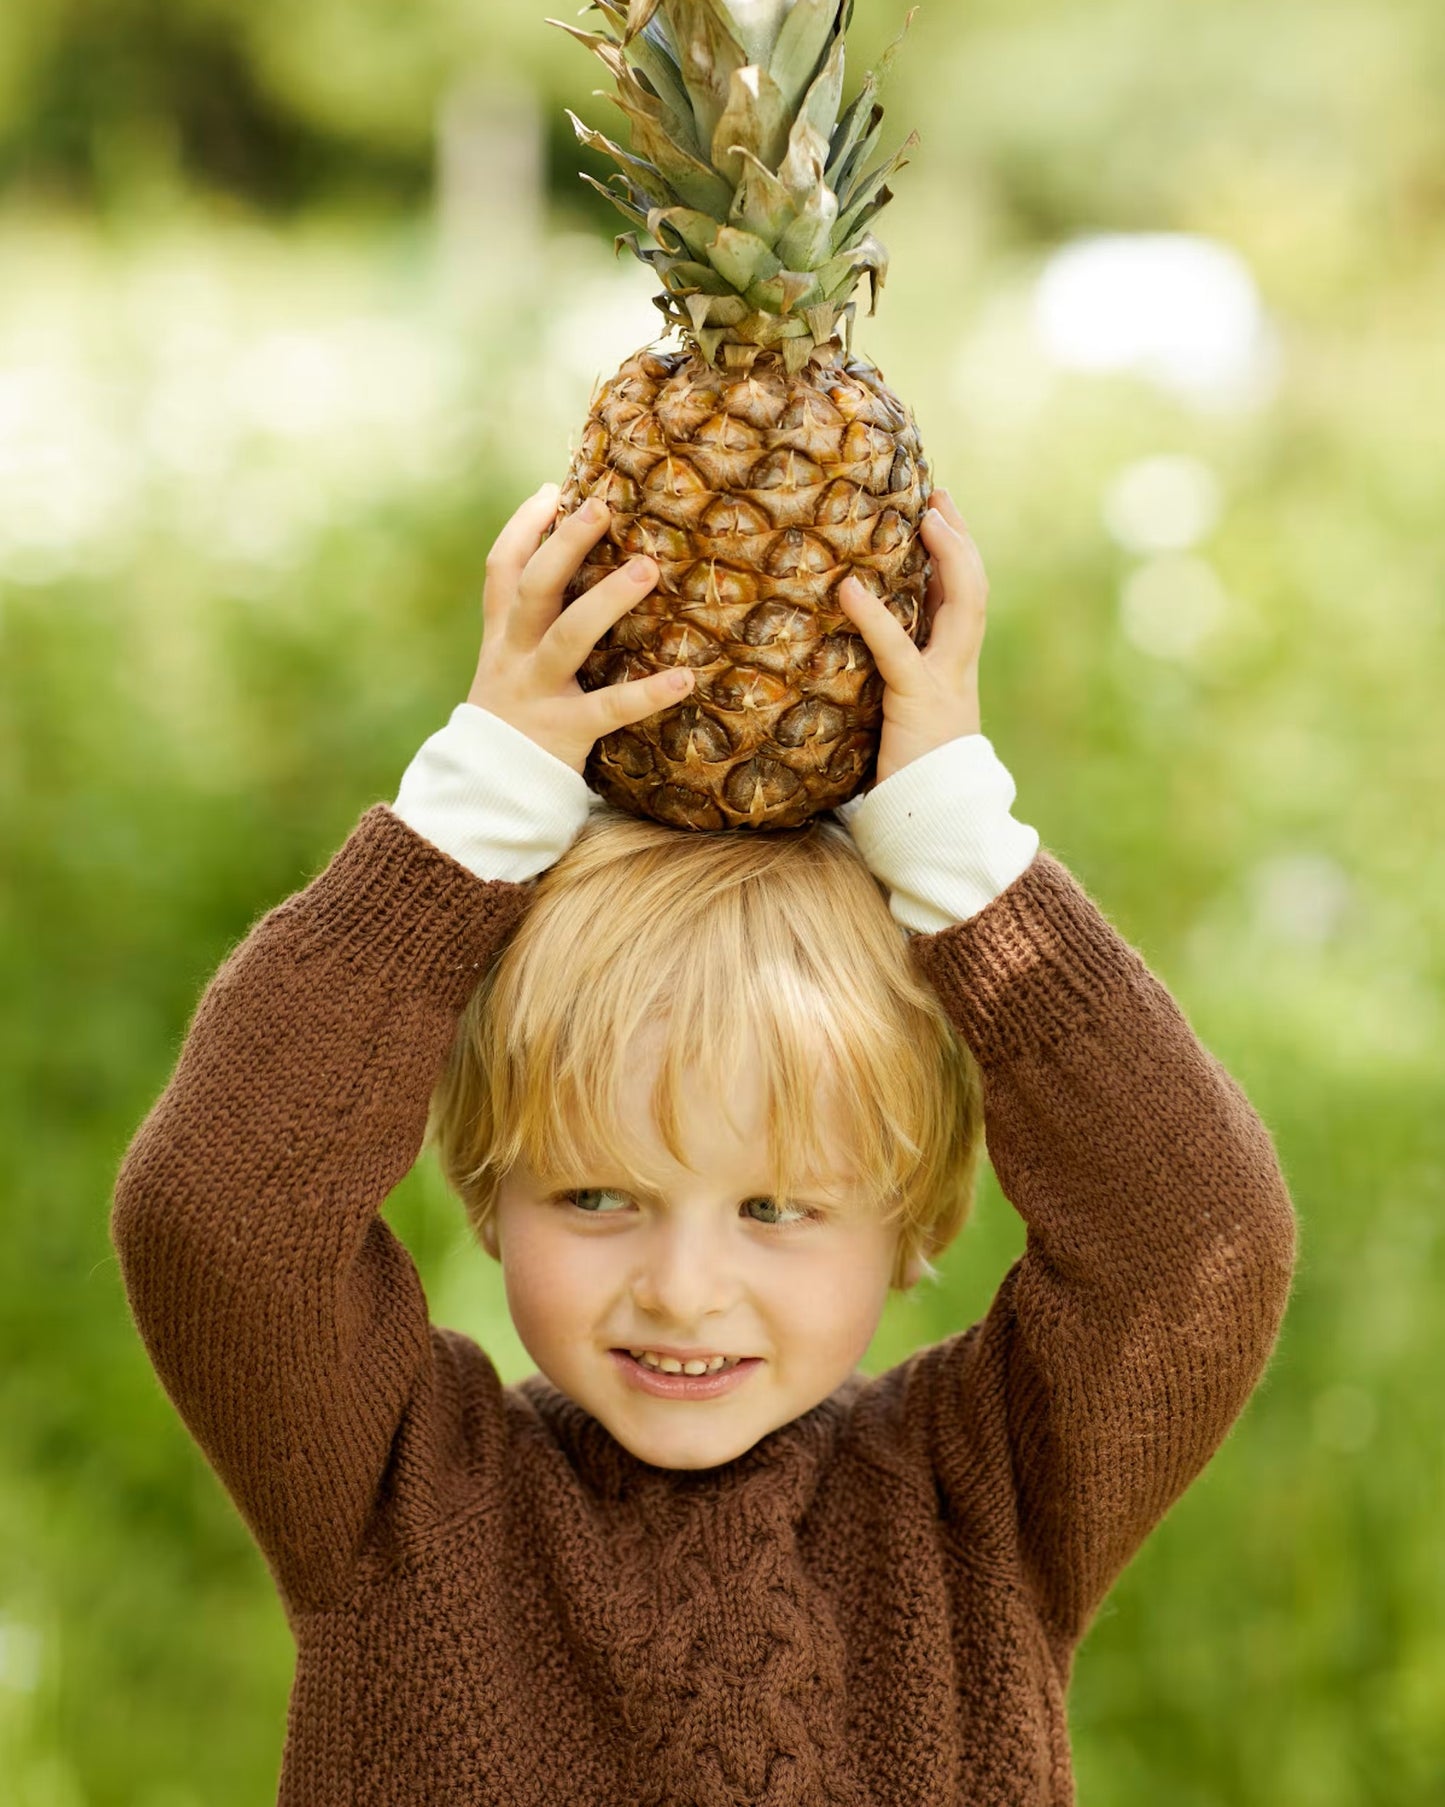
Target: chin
[683, 1452]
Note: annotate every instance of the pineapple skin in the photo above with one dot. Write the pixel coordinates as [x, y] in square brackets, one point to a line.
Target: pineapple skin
[756, 492]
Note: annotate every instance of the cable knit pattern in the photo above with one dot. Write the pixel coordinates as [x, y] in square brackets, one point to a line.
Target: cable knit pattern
[493, 1601]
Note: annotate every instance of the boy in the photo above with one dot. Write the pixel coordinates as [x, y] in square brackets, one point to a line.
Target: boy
[779, 1582]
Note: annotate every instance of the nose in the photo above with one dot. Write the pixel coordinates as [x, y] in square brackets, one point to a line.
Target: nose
[684, 1276]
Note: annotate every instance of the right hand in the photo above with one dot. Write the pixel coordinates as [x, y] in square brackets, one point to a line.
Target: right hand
[532, 646]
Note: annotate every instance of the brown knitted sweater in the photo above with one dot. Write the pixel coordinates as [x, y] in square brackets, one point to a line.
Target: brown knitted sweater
[493, 1601]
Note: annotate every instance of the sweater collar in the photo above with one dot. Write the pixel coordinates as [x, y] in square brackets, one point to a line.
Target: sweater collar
[793, 1456]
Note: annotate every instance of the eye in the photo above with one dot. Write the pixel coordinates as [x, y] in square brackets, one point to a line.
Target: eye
[571, 1198]
[798, 1214]
[801, 1214]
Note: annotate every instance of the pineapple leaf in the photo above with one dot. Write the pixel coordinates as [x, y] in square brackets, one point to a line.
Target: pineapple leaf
[865, 187]
[822, 317]
[757, 24]
[806, 242]
[638, 13]
[708, 53]
[678, 125]
[708, 309]
[634, 245]
[860, 155]
[652, 54]
[742, 258]
[780, 293]
[839, 275]
[800, 46]
[754, 119]
[697, 183]
[665, 237]
[801, 172]
[700, 277]
[856, 218]
[845, 139]
[696, 230]
[820, 104]
[761, 204]
[642, 175]
[861, 112]
[623, 206]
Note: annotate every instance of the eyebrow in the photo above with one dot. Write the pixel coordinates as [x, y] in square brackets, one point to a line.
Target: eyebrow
[809, 1194]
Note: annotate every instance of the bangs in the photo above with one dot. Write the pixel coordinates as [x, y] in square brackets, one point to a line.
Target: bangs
[764, 962]
[575, 1125]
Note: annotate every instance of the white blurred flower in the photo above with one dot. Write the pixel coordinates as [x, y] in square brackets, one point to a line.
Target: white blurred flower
[1182, 311]
[159, 401]
[20, 1650]
[66, 476]
[1300, 899]
[1171, 605]
[1162, 504]
[997, 373]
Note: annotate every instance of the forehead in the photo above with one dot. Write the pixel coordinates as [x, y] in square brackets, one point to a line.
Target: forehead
[744, 1117]
[723, 1117]
[642, 1163]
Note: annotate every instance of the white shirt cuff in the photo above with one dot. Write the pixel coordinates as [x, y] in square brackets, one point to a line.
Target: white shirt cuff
[488, 795]
[940, 835]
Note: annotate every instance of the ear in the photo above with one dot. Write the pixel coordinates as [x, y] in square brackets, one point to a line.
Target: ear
[487, 1236]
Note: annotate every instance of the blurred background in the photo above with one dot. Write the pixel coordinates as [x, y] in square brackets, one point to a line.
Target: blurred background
[298, 302]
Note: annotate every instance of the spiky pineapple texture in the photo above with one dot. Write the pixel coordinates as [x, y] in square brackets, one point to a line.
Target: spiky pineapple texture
[755, 491]
[762, 462]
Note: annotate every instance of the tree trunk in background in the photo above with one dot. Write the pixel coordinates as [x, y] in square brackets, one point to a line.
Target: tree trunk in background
[490, 179]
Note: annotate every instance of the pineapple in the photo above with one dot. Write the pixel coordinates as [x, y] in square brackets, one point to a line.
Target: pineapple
[759, 462]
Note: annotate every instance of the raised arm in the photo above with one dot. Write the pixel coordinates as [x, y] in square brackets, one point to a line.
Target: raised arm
[286, 1321]
[1124, 1342]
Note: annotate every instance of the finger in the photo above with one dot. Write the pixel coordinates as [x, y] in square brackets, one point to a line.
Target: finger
[521, 536]
[941, 499]
[553, 563]
[887, 639]
[583, 622]
[959, 570]
[620, 705]
[932, 602]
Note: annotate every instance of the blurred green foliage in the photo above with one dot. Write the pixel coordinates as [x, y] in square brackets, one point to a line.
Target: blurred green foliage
[260, 406]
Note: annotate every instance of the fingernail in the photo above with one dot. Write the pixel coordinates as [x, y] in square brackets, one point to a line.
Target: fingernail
[593, 510]
[679, 680]
[641, 570]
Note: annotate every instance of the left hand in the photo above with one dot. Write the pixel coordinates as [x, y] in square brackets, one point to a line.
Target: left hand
[931, 693]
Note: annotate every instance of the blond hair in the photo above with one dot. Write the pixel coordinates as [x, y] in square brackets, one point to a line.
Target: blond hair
[777, 946]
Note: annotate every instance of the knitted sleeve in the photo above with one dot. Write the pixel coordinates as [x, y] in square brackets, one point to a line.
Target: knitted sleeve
[285, 1320]
[1160, 1246]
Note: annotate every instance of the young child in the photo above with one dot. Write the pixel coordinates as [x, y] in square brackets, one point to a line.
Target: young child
[704, 1096]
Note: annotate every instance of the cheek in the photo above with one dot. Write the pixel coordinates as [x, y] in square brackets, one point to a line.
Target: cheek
[835, 1308]
[550, 1284]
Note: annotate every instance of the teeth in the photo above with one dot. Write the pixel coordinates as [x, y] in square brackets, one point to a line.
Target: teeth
[669, 1364]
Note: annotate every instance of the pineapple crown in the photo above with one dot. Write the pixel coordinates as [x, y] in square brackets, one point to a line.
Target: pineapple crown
[754, 190]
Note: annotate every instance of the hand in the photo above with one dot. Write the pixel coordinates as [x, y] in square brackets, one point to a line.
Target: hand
[532, 646]
[930, 694]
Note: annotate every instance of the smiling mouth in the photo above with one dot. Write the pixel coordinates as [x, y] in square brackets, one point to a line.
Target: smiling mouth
[695, 1365]
[677, 1383]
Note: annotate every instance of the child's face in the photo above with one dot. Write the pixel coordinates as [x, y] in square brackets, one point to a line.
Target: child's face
[712, 1263]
